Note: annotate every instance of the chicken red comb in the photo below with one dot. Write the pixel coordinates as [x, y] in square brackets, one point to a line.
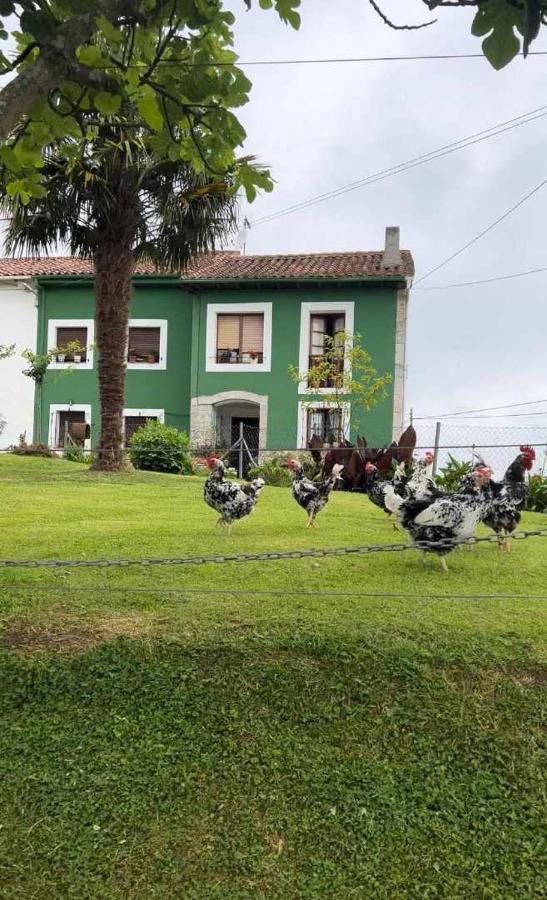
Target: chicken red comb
[528, 451]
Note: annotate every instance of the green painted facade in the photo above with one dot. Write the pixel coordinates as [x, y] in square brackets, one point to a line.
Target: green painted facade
[184, 306]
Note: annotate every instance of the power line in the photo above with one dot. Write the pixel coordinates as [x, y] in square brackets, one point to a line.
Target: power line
[178, 60]
[466, 412]
[445, 150]
[446, 287]
[484, 231]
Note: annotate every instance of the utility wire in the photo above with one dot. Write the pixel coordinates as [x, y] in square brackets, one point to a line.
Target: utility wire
[484, 231]
[466, 412]
[337, 60]
[445, 150]
[446, 287]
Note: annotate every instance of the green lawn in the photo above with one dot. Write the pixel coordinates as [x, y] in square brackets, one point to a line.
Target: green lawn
[220, 742]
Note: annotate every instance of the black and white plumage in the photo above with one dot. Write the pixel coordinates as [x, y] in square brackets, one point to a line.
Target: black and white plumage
[233, 501]
[376, 488]
[312, 496]
[449, 519]
[508, 498]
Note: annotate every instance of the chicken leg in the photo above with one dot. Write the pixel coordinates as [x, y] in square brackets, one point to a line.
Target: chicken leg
[444, 566]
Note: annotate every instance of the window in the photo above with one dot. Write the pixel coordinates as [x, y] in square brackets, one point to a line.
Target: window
[325, 424]
[238, 337]
[147, 344]
[328, 421]
[74, 336]
[135, 418]
[66, 432]
[133, 423]
[69, 421]
[80, 333]
[144, 345]
[322, 324]
[327, 333]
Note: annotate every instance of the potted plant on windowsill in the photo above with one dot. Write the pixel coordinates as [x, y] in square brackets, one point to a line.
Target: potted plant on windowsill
[254, 357]
[152, 357]
[132, 356]
[60, 357]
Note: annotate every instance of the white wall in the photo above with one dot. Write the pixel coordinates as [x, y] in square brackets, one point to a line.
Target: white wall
[18, 323]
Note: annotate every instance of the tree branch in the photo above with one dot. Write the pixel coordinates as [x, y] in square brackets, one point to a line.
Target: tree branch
[391, 24]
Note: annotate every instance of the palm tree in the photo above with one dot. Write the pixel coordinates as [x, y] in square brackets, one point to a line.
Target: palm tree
[114, 201]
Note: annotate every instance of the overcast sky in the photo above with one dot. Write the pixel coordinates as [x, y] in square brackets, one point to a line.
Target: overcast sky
[320, 127]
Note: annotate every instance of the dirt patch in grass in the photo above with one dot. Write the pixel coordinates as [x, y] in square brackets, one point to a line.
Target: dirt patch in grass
[68, 637]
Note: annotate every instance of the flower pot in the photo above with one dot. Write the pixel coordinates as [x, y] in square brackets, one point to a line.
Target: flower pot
[60, 357]
[77, 358]
[132, 359]
[152, 359]
[254, 360]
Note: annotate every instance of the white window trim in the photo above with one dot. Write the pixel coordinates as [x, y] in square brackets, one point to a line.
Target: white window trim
[213, 310]
[54, 409]
[303, 408]
[151, 323]
[306, 312]
[54, 324]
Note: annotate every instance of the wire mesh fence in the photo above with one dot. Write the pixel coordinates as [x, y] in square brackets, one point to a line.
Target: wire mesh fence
[497, 444]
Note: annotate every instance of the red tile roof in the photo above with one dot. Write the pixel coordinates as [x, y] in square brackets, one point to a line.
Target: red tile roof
[231, 266]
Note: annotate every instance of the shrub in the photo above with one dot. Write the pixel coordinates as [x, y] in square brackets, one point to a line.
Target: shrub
[24, 449]
[451, 476]
[76, 454]
[537, 493]
[274, 473]
[159, 448]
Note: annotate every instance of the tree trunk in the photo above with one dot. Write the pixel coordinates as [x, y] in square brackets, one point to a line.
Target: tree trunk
[114, 266]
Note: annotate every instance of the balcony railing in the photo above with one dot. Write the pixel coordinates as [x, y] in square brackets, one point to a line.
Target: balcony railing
[234, 356]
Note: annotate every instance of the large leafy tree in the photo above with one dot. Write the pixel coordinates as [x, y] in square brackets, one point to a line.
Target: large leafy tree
[113, 200]
[507, 26]
[173, 59]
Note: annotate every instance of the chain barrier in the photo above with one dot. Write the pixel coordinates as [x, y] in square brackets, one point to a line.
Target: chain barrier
[427, 546]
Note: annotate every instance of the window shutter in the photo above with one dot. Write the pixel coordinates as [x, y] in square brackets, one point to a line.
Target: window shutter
[253, 333]
[144, 341]
[228, 332]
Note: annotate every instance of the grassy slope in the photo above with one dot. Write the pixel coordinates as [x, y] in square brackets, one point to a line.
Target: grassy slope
[243, 745]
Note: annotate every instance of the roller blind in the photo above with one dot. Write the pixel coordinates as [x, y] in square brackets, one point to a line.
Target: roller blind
[144, 341]
[253, 333]
[228, 332]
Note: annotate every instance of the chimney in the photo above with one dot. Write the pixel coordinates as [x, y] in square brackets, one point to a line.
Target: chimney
[392, 255]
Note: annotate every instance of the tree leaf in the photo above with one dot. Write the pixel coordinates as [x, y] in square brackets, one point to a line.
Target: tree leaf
[149, 109]
[107, 103]
[498, 20]
[90, 55]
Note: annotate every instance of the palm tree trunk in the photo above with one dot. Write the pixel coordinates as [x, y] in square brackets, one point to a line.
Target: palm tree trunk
[114, 266]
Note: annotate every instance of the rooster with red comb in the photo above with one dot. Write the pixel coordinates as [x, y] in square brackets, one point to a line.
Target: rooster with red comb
[508, 497]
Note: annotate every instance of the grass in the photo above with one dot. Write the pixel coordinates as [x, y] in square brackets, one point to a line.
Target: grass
[238, 744]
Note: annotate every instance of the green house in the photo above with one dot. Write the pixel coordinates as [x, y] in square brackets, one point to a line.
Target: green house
[209, 352]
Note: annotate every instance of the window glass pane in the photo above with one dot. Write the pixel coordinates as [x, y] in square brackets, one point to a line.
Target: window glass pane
[144, 342]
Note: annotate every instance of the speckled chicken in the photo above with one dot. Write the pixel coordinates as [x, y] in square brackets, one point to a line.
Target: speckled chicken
[233, 501]
[508, 498]
[312, 496]
[450, 519]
